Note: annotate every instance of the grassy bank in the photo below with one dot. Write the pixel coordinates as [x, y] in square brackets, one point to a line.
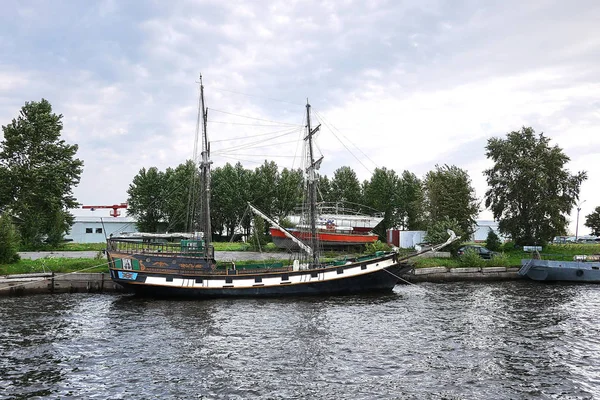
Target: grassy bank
[54, 265]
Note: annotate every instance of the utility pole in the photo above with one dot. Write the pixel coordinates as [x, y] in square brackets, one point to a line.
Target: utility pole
[577, 223]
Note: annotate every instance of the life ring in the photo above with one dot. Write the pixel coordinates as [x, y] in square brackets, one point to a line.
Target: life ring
[579, 272]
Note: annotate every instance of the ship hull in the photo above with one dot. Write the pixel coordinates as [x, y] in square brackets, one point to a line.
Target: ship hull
[557, 271]
[376, 274]
[326, 239]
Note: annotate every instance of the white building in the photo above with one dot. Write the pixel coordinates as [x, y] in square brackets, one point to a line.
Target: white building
[408, 239]
[482, 228]
[97, 229]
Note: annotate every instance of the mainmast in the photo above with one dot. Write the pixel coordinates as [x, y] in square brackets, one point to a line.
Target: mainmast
[312, 186]
[205, 170]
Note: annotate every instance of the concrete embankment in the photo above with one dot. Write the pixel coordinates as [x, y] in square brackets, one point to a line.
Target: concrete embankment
[20, 284]
[445, 274]
[15, 285]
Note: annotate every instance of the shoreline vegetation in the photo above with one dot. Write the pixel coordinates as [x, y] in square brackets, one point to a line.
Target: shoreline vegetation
[508, 257]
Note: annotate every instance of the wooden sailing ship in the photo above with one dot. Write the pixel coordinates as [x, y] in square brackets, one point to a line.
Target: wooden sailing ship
[187, 266]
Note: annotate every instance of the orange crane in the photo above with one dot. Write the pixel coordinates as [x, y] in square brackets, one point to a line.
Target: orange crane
[115, 208]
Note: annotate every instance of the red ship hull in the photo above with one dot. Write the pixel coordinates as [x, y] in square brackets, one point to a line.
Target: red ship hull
[326, 238]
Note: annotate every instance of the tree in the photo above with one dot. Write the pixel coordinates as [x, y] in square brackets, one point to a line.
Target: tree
[224, 198]
[530, 190]
[38, 171]
[592, 221]
[493, 241]
[146, 197]
[437, 232]
[345, 186]
[380, 193]
[411, 203]
[9, 240]
[263, 188]
[323, 188]
[449, 194]
[176, 196]
[288, 192]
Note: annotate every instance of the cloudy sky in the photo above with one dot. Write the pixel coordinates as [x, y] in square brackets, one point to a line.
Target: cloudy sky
[399, 84]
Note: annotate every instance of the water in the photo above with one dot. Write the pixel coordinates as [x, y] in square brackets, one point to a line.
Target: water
[507, 340]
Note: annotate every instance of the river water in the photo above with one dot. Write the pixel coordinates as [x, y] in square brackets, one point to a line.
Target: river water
[507, 340]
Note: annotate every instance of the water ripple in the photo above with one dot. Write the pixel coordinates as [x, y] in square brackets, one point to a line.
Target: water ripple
[447, 341]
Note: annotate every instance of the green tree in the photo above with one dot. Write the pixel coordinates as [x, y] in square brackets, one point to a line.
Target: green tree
[244, 179]
[264, 183]
[9, 240]
[176, 196]
[437, 232]
[592, 221]
[345, 186]
[38, 171]
[493, 241]
[146, 197]
[530, 190]
[224, 199]
[410, 213]
[288, 192]
[449, 194]
[324, 189]
[380, 193]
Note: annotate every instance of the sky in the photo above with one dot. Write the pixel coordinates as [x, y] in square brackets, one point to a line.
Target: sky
[398, 84]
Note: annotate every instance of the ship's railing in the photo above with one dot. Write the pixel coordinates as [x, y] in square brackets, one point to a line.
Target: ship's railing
[139, 247]
[345, 208]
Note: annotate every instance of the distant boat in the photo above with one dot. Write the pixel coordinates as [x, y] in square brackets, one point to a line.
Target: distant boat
[566, 271]
[336, 226]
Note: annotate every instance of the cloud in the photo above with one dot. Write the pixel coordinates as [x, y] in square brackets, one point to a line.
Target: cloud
[412, 84]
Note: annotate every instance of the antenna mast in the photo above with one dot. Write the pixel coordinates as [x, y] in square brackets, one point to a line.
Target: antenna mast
[312, 187]
[205, 170]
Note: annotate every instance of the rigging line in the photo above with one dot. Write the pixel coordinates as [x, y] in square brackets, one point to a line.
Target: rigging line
[287, 130]
[330, 126]
[237, 159]
[254, 145]
[257, 119]
[241, 123]
[253, 155]
[258, 97]
[435, 293]
[350, 151]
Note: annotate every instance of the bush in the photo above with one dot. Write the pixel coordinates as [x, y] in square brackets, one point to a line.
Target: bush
[471, 259]
[499, 260]
[509, 246]
[376, 246]
[493, 241]
[9, 240]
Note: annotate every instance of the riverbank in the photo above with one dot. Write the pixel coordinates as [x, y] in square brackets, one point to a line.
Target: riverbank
[84, 282]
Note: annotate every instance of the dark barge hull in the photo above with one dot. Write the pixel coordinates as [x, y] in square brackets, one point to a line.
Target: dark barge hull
[376, 282]
[174, 274]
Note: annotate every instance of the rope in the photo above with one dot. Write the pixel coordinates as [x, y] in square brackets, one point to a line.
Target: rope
[66, 273]
[434, 293]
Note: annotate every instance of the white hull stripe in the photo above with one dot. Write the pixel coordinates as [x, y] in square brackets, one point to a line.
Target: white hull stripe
[239, 282]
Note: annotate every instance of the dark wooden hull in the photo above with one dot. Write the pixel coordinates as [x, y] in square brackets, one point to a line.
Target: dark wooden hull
[376, 274]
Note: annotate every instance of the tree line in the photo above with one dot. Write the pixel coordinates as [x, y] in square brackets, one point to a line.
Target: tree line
[530, 190]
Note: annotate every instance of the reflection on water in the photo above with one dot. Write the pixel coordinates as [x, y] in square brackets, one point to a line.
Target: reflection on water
[460, 340]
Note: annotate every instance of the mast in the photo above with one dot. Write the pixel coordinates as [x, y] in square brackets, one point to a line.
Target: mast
[205, 224]
[312, 187]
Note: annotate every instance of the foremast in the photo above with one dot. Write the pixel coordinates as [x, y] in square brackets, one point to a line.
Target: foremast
[205, 223]
[311, 169]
